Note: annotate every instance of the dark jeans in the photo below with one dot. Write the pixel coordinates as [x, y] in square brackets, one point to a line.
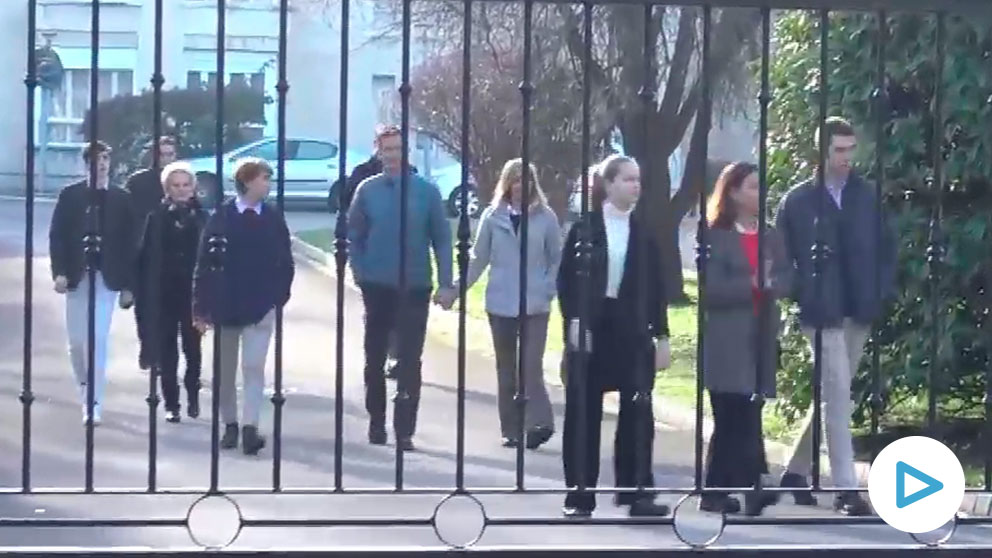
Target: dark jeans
[610, 364]
[386, 310]
[737, 449]
[177, 321]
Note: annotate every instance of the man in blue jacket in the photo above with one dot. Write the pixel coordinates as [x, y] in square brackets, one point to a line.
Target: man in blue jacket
[374, 234]
[844, 304]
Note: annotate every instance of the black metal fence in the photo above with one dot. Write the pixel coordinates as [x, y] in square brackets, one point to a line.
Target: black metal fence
[942, 9]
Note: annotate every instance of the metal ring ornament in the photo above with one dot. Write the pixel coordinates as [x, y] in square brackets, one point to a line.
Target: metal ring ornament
[941, 540]
[450, 498]
[216, 497]
[696, 545]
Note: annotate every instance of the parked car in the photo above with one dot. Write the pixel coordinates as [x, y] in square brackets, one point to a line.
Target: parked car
[310, 165]
[448, 180]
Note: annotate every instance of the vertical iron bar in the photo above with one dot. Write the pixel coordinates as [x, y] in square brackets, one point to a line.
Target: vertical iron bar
[578, 376]
[642, 360]
[157, 81]
[820, 250]
[881, 116]
[935, 251]
[464, 241]
[764, 98]
[278, 399]
[93, 241]
[702, 244]
[341, 253]
[526, 96]
[27, 397]
[219, 167]
[403, 398]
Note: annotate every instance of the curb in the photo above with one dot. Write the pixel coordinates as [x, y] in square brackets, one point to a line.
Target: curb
[668, 415]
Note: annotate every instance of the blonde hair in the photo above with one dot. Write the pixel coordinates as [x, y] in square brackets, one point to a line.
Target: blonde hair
[174, 167]
[513, 172]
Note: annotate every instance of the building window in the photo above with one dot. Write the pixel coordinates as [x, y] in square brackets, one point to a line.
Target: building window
[71, 101]
[385, 95]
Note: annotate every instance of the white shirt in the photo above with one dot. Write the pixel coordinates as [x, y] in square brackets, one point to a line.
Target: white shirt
[617, 235]
[241, 204]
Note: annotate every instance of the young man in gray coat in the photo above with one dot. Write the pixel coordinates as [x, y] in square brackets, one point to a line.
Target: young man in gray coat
[845, 303]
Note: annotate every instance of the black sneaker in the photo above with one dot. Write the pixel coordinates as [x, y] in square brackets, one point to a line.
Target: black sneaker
[852, 504]
[509, 442]
[230, 439]
[719, 503]
[406, 444]
[576, 512]
[802, 497]
[647, 507]
[377, 435]
[251, 440]
[172, 415]
[538, 437]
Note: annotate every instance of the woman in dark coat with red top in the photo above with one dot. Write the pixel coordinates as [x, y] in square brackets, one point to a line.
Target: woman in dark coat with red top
[741, 316]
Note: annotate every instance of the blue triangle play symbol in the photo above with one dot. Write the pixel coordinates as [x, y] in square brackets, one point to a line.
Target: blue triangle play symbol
[902, 500]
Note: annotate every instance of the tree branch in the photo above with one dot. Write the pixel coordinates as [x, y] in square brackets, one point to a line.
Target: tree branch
[679, 67]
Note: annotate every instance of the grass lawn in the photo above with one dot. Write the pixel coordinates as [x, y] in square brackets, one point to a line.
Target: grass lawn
[677, 384]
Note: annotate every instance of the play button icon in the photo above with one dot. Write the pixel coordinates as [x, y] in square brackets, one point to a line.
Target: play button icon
[916, 484]
[903, 470]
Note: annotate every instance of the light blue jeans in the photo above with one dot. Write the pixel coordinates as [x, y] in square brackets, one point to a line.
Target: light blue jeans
[77, 327]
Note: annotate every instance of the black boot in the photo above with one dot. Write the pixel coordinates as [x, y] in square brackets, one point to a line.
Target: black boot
[193, 407]
[802, 497]
[377, 434]
[647, 507]
[230, 439]
[251, 440]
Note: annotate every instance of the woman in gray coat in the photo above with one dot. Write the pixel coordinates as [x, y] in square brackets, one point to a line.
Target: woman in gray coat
[497, 246]
[742, 324]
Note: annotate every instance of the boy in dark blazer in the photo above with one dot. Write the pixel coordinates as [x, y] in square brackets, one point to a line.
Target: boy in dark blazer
[105, 215]
[241, 296]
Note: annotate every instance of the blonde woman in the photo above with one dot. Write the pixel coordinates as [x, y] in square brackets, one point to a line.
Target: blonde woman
[164, 303]
[497, 247]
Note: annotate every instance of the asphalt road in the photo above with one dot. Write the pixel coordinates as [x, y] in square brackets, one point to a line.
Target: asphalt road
[57, 442]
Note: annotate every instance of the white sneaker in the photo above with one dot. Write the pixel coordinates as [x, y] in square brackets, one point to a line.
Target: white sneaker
[96, 415]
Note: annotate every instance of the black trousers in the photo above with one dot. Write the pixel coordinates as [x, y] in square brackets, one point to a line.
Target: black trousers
[737, 448]
[612, 363]
[176, 322]
[385, 311]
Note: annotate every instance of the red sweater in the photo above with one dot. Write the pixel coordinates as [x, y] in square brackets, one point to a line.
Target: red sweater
[749, 242]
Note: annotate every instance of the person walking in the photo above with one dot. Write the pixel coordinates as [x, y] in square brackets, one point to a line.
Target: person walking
[145, 187]
[497, 247]
[842, 299]
[164, 298]
[627, 328]
[374, 227]
[241, 298]
[92, 209]
[741, 318]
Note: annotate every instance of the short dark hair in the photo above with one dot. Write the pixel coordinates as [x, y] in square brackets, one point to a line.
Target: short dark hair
[834, 126]
[248, 169]
[95, 148]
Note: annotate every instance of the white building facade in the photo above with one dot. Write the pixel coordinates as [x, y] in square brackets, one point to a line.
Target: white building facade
[189, 58]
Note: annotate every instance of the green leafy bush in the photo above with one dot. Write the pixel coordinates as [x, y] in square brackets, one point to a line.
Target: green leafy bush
[965, 143]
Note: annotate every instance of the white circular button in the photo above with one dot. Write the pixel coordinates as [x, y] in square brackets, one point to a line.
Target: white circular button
[916, 484]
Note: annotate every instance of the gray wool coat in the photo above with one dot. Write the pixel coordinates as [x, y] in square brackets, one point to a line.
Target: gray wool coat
[732, 326]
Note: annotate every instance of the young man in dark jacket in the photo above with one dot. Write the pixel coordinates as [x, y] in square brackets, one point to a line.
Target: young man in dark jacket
[84, 209]
[145, 187]
[165, 282]
[845, 303]
[240, 296]
[374, 235]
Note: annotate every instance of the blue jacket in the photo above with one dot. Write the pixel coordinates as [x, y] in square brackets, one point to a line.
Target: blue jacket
[848, 286]
[374, 232]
